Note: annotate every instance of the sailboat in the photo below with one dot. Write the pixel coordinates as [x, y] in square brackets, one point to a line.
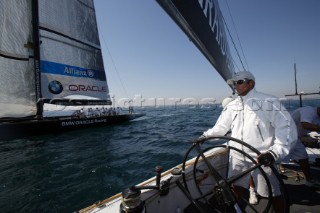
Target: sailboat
[200, 183]
[52, 76]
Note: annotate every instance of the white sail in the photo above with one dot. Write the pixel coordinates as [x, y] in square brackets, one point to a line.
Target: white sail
[70, 58]
[70, 54]
[17, 79]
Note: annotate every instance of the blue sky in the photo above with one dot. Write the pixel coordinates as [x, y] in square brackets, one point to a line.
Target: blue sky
[146, 53]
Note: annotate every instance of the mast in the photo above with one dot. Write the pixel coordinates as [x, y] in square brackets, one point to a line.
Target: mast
[295, 78]
[296, 88]
[296, 85]
[36, 50]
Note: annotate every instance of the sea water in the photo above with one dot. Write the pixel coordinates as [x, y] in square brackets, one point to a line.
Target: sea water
[70, 171]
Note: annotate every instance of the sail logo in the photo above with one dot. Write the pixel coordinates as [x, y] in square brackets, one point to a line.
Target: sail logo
[87, 88]
[55, 87]
[212, 12]
[90, 73]
[68, 70]
[78, 72]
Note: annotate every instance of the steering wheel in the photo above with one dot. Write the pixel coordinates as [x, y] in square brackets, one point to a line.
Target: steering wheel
[211, 183]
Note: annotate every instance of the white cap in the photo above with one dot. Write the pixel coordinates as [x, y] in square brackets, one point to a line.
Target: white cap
[226, 101]
[240, 76]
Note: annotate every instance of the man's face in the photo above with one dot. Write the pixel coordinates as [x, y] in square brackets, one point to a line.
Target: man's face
[243, 86]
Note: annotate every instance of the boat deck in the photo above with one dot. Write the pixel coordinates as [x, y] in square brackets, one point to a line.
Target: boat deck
[301, 197]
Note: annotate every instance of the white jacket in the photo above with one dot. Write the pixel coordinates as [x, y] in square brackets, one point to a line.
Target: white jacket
[259, 120]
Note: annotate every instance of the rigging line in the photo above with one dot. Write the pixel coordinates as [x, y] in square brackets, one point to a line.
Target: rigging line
[235, 64]
[15, 57]
[66, 36]
[114, 65]
[234, 45]
[234, 26]
[237, 37]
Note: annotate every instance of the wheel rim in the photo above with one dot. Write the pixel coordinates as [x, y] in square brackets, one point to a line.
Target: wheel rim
[223, 185]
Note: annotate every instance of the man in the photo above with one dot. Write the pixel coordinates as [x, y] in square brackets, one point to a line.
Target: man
[261, 121]
[307, 119]
[253, 199]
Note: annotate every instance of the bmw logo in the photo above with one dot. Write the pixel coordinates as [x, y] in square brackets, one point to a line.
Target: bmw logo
[90, 73]
[55, 87]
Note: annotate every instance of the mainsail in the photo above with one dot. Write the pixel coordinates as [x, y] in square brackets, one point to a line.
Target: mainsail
[71, 59]
[55, 59]
[202, 21]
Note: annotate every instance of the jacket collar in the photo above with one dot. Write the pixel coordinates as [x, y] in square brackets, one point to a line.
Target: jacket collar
[250, 94]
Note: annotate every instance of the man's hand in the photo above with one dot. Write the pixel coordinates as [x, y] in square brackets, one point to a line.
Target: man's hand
[200, 139]
[266, 159]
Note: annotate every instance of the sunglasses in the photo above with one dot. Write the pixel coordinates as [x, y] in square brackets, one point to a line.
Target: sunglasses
[239, 82]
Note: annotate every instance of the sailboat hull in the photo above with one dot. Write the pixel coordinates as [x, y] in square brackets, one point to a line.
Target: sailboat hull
[25, 128]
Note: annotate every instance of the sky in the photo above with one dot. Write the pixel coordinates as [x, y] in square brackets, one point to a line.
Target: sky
[147, 55]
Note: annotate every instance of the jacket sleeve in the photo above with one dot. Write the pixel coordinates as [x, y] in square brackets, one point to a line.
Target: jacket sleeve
[285, 131]
[222, 125]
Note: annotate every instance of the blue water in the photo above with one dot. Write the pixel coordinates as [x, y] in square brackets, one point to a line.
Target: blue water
[70, 171]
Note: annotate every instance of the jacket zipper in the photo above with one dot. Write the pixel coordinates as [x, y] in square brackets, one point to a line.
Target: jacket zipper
[260, 132]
